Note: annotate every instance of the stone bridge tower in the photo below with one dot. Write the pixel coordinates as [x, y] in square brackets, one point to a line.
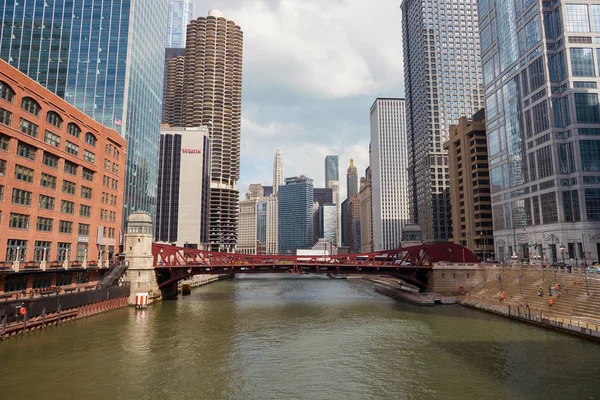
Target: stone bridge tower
[138, 257]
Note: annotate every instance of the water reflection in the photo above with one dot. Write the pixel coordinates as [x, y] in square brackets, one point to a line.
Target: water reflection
[297, 338]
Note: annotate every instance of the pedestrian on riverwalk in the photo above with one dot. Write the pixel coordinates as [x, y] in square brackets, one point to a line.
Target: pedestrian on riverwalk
[540, 291]
[526, 306]
[549, 290]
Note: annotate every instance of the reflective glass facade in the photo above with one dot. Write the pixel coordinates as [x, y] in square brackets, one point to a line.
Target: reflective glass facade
[332, 172]
[106, 58]
[543, 123]
[442, 79]
[181, 13]
[295, 217]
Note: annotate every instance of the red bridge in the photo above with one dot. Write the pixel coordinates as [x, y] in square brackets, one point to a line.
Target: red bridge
[411, 263]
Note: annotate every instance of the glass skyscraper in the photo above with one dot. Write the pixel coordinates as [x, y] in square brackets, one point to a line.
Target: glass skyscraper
[332, 172]
[541, 71]
[181, 13]
[106, 58]
[442, 79]
[295, 215]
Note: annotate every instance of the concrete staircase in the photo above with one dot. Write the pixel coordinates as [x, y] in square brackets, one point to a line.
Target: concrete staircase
[573, 303]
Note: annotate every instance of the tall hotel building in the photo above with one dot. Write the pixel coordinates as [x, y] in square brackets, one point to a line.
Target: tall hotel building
[183, 187]
[211, 95]
[106, 59]
[541, 71]
[389, 164]
[442, 79]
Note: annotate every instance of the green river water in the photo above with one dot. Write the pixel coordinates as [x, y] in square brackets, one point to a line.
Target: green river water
[297, 338]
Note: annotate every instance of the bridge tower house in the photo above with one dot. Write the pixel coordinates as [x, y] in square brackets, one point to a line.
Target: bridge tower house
[140, 272]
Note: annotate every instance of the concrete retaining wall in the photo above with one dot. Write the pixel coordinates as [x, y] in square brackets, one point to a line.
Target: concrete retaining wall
[538, 318]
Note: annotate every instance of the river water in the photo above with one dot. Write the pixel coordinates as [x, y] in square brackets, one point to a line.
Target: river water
[297, 338]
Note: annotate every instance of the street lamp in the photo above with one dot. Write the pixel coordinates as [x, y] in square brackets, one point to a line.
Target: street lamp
[562, 250]
[484, 245]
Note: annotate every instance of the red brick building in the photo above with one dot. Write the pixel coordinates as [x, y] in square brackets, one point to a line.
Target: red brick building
[61, 178]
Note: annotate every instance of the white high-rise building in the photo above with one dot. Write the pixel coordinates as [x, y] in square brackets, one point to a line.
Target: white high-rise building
[278, 179]
[442, 80]
[272, 225]
[389, 164]
[335, 186]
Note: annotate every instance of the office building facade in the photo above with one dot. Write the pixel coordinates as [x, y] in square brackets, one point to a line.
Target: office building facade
[295, 215]
[366, 214]
[389, 164]
[61, 177]
[328, 223]
[352, 180]
[470, 186]
[180, 13]
[332, 172]
[541, 77]
[106, 59]
[278, 179]
[183, 187]
[442, 80]
[247, 231]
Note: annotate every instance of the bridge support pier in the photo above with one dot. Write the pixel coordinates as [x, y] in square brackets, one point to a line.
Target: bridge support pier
[140, 271]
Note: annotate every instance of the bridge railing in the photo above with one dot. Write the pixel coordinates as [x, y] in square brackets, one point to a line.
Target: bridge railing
[425, 255]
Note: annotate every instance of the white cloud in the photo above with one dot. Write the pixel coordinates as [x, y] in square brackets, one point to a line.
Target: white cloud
[327, 49]
[312, 68]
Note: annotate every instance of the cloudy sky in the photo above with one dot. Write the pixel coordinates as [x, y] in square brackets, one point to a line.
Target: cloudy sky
[312, 69]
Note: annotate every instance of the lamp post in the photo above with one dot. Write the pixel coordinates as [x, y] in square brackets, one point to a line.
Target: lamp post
[484, 244]
[562, 250]
[18, 254]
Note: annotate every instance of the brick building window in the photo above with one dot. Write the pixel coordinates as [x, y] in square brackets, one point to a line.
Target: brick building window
[48, 181]
[31, 106]
[86, 192]
[72, 148]
[52, 139]
[90, 139]
[87, 174]
[50, 160]
[46, 202]
[26, 151]
[5, 116]
[45, 224]
[67, 207]
[66, 227]
[89, 156]
[54, 119]
[16, 248]
[23, 173]
[22, 197]
[85, 211]
[69, 187]
[73, 129]
[19, 221]
[28, 128]
[6, 92]
[70, 168]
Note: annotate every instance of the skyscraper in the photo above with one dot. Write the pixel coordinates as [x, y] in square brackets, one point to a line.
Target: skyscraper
[389, 163]
[183, 185]
[540, 73]
[212, 96]
[331, 169]
[181, 13]
[352, 180]
[278, 179]
[105, 58]
[442, 79]
[295, 215]
[328, 223]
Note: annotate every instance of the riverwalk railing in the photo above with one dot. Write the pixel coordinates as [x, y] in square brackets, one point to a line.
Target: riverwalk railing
[543, 317]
